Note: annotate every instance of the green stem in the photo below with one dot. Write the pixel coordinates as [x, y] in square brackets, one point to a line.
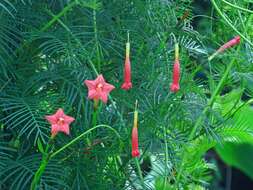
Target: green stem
[200, 119]
[49, 24]
[95, 112]
[96, 38]
[139, 171]
[56, 17]
[229, 23]
[92, 66]
[166, 157]
[44, 162]
[39, 173]
[80, 137]
[94, 117]
[237, 7]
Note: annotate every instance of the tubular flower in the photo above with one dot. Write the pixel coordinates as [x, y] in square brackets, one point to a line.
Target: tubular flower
[59, 122]
[231, 43]
[135, 146]
[174, 87]
[98, 89]
[127, 70]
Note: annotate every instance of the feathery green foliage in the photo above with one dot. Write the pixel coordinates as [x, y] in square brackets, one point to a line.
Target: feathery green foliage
[48, 48]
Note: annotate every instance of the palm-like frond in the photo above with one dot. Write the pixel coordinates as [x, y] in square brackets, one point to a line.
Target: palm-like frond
[18, 173]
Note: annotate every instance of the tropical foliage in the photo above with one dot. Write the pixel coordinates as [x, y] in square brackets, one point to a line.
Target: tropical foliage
[49, 48]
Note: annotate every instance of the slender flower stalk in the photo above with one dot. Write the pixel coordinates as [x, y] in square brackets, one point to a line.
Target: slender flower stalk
[59, 123]
[229, 44]
[174, 87]
[127, 69]
[43, 165]
[135, 146]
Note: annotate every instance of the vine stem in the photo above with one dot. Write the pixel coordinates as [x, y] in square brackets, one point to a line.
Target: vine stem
[80, 137]
[200, 119]
[44, 162]
[229, 23]
[96, 38]
[91, 65]
[139, 171]
[166, 156]
[47, 156]
[56, 17]
[237, 7]
[49, 23]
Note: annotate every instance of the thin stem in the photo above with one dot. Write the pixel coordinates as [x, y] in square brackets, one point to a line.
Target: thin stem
[95, 112]
[80, 137]
[228, 177]
[200, 119]
[96, 38]
[237, 7]
[166, 156]
[241, 19]
[43, 165]
[5, 84]
[50, 23]
[229, 23]
[139, 171]
[56, 17]
[92, 66]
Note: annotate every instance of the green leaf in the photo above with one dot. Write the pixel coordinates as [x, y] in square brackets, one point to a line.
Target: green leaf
[161, 184]
[40, 146]
[237, 155]
[237, 150]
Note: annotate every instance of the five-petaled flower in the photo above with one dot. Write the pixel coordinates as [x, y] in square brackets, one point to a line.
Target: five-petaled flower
[135, 146]
[174, 87]
[127, 69]
[98, 88]
[59, 122]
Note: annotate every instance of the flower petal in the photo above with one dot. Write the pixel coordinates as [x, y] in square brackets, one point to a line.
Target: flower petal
[104, 97]
[54, 129]
[93, 94]
[65, 128]
[100, 79]
[52, 119]
[90, 84]
[59, 113]
[68, 119]
[108, 87]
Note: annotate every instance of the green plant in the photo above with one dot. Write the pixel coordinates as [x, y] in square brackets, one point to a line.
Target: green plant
[48, 48]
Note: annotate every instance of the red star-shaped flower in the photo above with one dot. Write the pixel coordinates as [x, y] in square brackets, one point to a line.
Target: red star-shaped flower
[59, 122]
[98, 88]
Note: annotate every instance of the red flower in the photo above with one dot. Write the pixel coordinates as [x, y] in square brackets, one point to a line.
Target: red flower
[135, 146]
[98, 88]
[127, 70]
[231, 43]
[174, 87]
[59, 122]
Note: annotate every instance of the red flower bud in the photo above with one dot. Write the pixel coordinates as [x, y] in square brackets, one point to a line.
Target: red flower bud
[231, 43]
[127, 70]
[174, 87]
[135, 146]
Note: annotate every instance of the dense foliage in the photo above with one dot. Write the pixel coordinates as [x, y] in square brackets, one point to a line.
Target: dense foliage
[49, 47]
